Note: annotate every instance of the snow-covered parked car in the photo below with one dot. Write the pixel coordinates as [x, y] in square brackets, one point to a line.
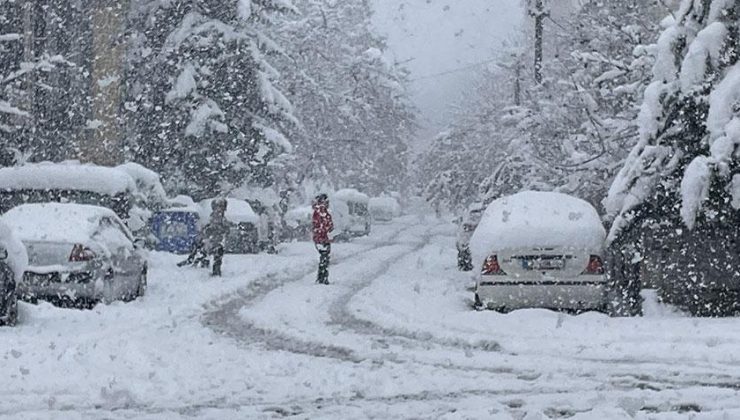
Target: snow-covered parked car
[77, 254]
[383, 209]
[13, 262]
[150, 197]
[243, 237]
[467, 224]
[177, 226]
[349, 209]
[298, 224]
[68, 181]
[539, 249]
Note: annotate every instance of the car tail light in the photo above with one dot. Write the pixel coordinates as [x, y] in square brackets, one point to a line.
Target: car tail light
[491, 267]
[595, 265]
[81, 253]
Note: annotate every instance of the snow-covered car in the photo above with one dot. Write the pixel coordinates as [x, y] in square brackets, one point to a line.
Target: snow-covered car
[243, 237]
[298, 223]
[13, 262]
[383, 209]
[68, 182]
[349, 209]
[150, 197]
[539, 249]
[77, 254]
[176, 227]
[467, 224]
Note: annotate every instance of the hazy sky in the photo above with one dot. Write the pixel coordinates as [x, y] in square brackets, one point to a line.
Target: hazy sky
[439, 36]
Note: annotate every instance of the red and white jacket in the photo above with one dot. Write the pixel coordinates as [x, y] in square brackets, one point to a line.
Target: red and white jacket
[322, 223]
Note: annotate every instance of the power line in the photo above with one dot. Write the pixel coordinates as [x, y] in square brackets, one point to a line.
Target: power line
[457, 70]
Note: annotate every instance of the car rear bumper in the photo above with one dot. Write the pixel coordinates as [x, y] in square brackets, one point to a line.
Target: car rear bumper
[579, 293]
[53, 286]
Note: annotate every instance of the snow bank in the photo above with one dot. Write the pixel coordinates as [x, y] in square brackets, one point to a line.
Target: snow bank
[351, 194]
[17, 256]
[537, 219]
[55, 222]
[237, 211]
[67, 176]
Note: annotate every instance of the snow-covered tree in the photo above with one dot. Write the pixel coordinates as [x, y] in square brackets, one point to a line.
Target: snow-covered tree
[202, 105]
[571, 132]
[678, 193]
[351, 101]
[41, 112]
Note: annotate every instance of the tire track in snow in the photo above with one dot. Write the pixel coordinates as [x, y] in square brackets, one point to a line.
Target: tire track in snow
[223, 316]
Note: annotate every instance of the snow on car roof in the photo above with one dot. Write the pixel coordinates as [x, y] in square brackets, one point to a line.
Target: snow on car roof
[17, 257]
[537, 219]
[182, 203]
[351, 194]
[69, 175]
[237, 211]
[386, 202]
[147, 181]
[55, 222]
[299, 213]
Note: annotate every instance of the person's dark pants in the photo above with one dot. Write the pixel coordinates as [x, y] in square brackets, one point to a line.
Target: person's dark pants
[218, 259]
[197, 256]
[324, 251]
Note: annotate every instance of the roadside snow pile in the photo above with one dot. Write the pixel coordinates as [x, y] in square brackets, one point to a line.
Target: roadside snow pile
[237, 211]
[55, 222]
[70, 175]
[17, 257]
[537, 219]
[384, 208]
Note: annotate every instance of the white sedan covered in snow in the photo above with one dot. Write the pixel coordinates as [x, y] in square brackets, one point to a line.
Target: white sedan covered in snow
[539, 249]
[77, 254]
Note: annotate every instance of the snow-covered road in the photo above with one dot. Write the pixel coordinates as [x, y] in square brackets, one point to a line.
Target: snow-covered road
[393, 336]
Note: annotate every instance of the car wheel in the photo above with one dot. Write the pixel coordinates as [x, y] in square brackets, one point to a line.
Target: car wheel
[477, 304]
[11, 315]
[141, 290]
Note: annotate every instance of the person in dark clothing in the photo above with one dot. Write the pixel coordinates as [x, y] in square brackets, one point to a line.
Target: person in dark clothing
[212, 238]
[322, 225]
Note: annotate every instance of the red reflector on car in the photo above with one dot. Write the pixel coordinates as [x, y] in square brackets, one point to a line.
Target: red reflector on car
[491, 267]
[81, 253]
[595, 265]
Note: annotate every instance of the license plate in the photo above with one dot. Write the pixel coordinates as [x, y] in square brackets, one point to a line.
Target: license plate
[555, 264]
[544, 264]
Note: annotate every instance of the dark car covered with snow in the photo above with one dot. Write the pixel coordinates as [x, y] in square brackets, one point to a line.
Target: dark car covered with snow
[13, 262]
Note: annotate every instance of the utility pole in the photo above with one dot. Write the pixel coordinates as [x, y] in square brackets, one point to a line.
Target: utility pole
[539, 14]
[518, 82]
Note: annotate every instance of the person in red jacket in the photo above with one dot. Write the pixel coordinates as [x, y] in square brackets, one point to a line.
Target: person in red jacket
[322, 225]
